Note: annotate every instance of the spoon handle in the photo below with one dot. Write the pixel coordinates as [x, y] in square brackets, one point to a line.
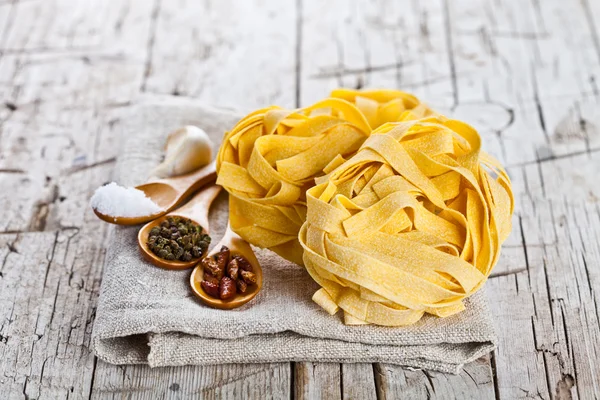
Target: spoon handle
[198, 207]
[193, 181]
[230, 236]
[233, 241]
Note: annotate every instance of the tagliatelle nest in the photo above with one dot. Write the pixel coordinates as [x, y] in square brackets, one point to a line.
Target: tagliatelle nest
[383, 105]
[411, 224]
[272, 156]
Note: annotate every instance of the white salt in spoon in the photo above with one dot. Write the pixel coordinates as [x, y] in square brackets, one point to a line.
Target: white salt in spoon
[166, 193]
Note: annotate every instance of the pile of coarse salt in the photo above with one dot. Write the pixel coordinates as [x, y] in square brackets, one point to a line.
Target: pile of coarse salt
[119, 201]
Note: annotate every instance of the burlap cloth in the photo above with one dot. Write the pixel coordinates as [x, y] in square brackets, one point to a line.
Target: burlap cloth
[149, 315]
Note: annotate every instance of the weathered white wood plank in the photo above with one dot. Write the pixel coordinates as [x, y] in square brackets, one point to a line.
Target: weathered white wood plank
[531, 62]
[56, 93]
[250, 381]
[375, 44]
[552, 309]
[474, 382]
[61, 76]
[332, 381]
[229, 53]
[358, 382]
[47, 302]
[317, 381]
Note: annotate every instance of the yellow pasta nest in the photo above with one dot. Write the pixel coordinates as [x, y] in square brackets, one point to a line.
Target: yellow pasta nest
[411, 224]
[272, 156]
[384, 105]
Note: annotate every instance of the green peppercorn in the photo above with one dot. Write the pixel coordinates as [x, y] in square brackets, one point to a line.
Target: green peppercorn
[178, 253]
[196, 251]
[178, 238]
[203, 246]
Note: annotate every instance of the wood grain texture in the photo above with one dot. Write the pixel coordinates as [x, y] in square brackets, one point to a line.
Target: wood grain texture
[61, 76]
[266, 381]
[230, 53]
[317, 381]
[524, 73]
[395, 382]
[390, 44]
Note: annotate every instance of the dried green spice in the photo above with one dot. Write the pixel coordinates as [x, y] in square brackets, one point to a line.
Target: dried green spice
[178, 239]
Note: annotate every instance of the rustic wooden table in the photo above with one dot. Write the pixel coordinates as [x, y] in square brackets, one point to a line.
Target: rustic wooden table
[525, 73]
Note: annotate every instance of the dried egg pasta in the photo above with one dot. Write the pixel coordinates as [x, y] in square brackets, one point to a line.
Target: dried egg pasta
[272, 156]
[411, 224]
[384, 105]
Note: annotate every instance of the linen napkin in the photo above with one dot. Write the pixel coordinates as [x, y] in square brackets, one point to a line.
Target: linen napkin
[149, 315]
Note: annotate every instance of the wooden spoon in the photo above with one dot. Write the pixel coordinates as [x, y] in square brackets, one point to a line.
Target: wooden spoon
[167, 194]
[196, 210]
[237, 246]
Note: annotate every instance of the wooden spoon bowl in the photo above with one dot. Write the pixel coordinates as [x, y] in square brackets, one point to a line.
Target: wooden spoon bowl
[167, 194]
[237, 246]
[143, 235]
[195, 210]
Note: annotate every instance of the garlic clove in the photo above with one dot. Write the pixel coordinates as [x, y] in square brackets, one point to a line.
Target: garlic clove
[175, 138]
[186, 150]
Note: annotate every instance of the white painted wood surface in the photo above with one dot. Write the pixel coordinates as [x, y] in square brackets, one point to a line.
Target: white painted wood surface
[525, 73]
